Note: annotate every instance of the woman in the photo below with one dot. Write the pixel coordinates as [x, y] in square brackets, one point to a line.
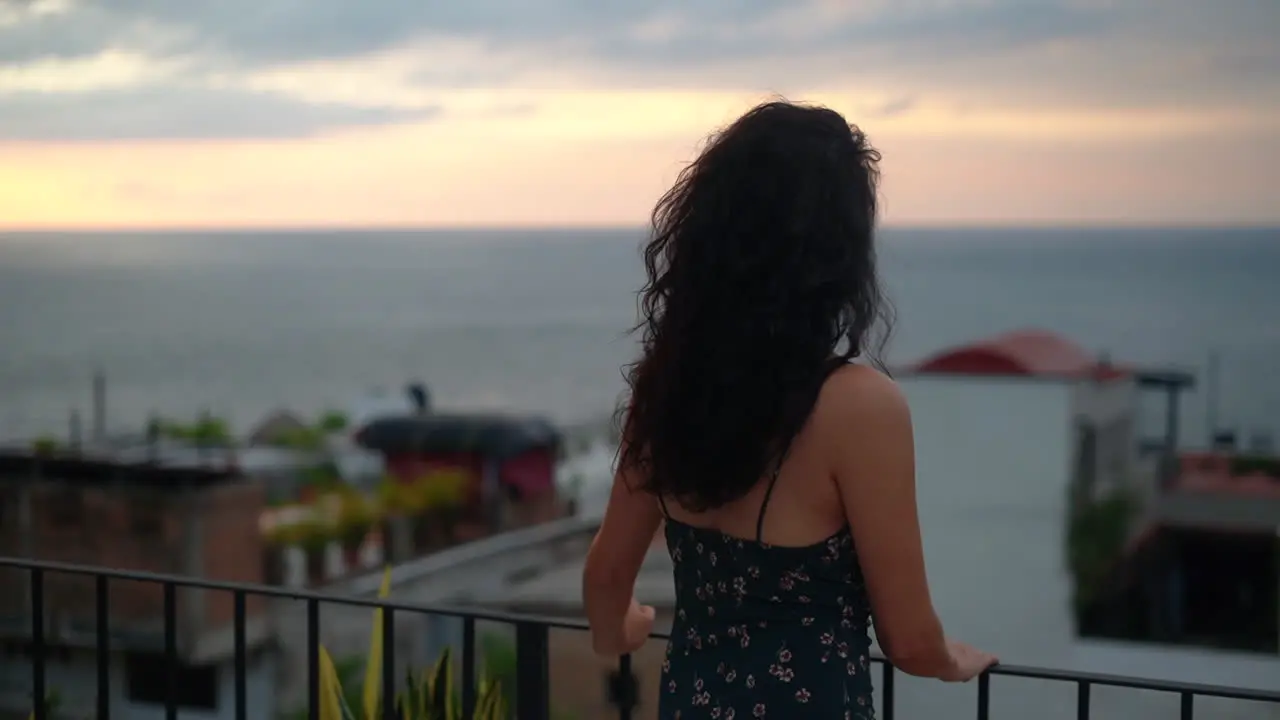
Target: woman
[783, 471]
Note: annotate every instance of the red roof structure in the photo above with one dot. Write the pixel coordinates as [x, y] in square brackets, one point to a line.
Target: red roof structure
[1022, 353]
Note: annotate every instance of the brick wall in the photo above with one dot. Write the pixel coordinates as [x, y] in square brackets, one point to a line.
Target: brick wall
[232, 547]
[122, 528]
[91, 526]
[210, 532]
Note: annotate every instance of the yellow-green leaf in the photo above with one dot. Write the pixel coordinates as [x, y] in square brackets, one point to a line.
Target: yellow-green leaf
[330, 688]
[373, 663]
[490, 705]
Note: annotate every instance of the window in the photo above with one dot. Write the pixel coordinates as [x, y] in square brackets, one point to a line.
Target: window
[148, 677]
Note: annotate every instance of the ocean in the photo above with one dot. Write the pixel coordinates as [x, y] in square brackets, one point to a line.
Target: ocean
[240, 324]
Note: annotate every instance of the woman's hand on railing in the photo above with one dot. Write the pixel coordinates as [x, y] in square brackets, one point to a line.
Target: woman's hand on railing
[967, 662]
[626, 637]
[637, 626]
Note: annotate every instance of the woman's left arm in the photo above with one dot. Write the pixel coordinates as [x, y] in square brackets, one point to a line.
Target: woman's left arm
[630, 521]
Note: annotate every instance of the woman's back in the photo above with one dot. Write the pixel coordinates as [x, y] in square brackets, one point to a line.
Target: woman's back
[771, 456]
[772, 614]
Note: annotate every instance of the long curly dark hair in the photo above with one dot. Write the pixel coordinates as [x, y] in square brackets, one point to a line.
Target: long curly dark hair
[761, 277]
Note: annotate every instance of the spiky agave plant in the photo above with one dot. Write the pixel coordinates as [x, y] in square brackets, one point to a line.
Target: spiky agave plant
[431, 695]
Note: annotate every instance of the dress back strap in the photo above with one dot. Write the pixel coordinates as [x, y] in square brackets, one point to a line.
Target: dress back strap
[663, 504]
[768, 491]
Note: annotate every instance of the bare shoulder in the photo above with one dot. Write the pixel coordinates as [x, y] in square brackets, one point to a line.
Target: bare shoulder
[857, 394]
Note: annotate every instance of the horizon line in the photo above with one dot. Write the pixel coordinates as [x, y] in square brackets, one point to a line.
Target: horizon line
[285, 229]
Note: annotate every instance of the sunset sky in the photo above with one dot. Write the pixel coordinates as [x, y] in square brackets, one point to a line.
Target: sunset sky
[268, 113]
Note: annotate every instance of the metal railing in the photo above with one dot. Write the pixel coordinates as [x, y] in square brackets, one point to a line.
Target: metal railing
[532, 682]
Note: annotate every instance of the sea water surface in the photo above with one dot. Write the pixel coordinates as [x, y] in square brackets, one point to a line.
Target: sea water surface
[239, 324]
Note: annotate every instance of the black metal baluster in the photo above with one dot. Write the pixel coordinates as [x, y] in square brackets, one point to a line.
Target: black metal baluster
[170, 650]
[37, 643]
[886, 691]
[533, 701]
[984, 696]
[626, 676]
[241, 655]
[389, 664]
[468, 667]
[532, 682]
[102, 644]
[622, 688]
[313, 659]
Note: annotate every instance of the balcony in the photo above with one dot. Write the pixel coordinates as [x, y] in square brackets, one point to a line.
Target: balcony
[42, 640]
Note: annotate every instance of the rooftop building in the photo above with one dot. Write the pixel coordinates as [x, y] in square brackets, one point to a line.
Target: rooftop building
[171, 518]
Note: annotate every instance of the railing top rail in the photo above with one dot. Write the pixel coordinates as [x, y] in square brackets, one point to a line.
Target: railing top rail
[472, 552]
[497, 616]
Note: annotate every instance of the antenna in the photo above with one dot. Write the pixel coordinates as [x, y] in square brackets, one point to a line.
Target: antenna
[1211, 396]
[99, 406]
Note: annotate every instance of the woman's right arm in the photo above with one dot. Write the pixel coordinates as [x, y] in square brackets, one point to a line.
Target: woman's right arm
[869, 432]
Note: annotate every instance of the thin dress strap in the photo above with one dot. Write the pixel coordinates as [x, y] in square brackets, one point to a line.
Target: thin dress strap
[768, 491]
[663, 504]
[832, 366]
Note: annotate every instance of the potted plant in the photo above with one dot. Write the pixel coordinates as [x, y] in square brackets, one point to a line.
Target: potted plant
[274, 542]
[439, 497]
[446, 495]
[399, 506]
[356, 517]
[312, 536]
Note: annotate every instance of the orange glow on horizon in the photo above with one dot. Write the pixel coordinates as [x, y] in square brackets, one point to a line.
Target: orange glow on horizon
[579, 158]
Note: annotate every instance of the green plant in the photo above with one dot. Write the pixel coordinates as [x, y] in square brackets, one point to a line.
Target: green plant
[45, 445]
[332, 421]
[208, 430]
[430, 696]
[499, 655]
[319, 479]
[1096, 537]
[399, 497]
[356, 515]
[52, 701]
[434, 695]
[442, 490]
[308, 534]
[307, 439]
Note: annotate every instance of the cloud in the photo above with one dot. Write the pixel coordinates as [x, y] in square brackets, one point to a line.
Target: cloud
[895, 107]
[110, 69]
[176, 112]
[304, 66]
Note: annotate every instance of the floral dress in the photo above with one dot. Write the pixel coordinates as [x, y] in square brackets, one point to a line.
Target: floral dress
[764, 631]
